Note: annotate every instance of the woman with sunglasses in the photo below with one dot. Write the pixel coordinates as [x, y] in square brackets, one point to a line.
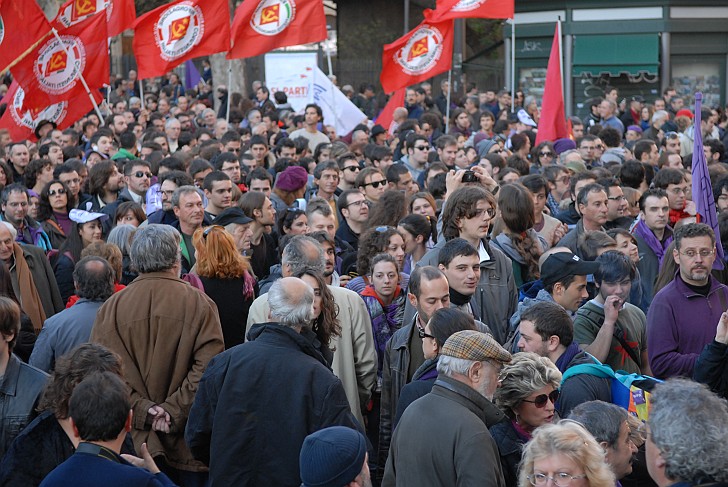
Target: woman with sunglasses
[564, 455]
[527, 395]
[53, 208]
[372, 242]
[293, 221]
[226, 277]
[543, 155]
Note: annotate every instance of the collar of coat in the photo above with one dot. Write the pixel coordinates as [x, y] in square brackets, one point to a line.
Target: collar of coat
[284, 335]
[468, 397]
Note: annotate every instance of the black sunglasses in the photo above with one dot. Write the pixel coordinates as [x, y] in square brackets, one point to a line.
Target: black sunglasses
[54, 192]
[541, 399]
[376, 184]
[141, 174]
[352, 168]
[422, 334]
[208, 230]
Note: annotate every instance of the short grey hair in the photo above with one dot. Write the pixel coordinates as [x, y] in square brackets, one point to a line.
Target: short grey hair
[296, 255]
[659, 114]
[288, 309]
[155, 248]
[524, 375]
[450, 366]
[170, 122]
[602, 419]
[184, 190]
[13, 231]
[689, 425]
[565, 154]
[122, 236]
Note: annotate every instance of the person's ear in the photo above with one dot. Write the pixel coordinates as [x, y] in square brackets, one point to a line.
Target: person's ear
[475, 372]
[553, 343]
[129, 419]
[419, 239]
[76, 434]
[675, 256]
[412, 299]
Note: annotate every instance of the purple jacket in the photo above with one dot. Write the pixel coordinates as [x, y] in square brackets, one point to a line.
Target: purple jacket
[680, 323]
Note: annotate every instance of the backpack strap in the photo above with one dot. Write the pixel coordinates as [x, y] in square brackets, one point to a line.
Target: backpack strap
[597, 318]
[596, 369]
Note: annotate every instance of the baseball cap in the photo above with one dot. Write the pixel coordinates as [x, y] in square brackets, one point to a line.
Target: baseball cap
[231, 215]
[563, 264]
[82, 216]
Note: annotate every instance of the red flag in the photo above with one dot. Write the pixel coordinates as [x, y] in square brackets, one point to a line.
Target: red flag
[419, 55]
[22, 25]
[173, 33]
[52, 71]
[260, 26]
[21, 122]
[479, 9]
[552, 124]
[386, 117]
[120, 14]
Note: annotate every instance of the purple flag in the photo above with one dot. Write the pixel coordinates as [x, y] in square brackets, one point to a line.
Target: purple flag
[702, 190]
[192, 76]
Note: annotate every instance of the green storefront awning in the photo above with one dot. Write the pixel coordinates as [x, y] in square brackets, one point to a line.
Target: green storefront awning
[615, 54]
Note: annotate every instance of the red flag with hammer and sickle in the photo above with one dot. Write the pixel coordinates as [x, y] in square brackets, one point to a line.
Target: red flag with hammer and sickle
[119, 14]
[181, 30]
[260, 26]
[22, 25]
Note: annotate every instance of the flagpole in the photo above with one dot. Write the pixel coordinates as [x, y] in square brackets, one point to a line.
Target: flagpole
[230, 85]
[561, 54]
[80, 76]
[513, 65]
[141, 93]
[447, 110]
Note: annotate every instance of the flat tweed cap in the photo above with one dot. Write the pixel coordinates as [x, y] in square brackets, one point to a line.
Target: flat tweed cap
[475, 346]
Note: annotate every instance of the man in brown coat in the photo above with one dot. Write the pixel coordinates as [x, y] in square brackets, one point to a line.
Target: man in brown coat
[165, 332]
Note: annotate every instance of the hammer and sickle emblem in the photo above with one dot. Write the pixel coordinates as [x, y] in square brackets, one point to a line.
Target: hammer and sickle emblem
[178, 29]
[270, 14]
[418, 49]
[57, 62]
[85, 7]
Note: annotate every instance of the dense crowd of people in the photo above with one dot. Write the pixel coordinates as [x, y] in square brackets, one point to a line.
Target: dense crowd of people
[194, 297]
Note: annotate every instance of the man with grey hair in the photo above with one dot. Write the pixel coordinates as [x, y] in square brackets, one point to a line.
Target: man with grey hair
[686, 435]
[172, 128]
[355, 361]
[456, 442]
[165, 332]
[93, 278]
[190, 213]
[608, 425]
[243, 423]
[301, 252]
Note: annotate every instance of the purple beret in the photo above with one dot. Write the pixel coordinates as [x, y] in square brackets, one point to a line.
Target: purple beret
[562, 145]
[635, 128]
[292, 179]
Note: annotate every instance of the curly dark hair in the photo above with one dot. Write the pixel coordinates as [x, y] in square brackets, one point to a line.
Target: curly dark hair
[70, 370]
[372, 242]
[327, 325]
[44, 204]
[389, 210]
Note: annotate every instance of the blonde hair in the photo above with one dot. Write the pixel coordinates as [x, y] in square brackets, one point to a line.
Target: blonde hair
[216, 253]
[572, 440]
[526, 374]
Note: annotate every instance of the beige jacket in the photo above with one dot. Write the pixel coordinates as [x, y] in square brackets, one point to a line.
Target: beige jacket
[355, 361]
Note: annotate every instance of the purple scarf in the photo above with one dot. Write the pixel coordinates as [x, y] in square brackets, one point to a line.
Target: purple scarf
[651, 240]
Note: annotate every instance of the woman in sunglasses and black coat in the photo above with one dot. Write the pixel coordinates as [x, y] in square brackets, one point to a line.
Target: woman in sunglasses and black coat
[529, 388]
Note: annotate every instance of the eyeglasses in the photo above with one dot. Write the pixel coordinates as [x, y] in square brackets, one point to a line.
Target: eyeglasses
[563, 179]
[141, 174]
[617, 198]
[678, 191]
[480, 211]
[54, 192]
[546, 154]
[560, 479]
[422, 334]
[352, 168]
[599, 147]
[691, 254]
[422, 147]
[376, 184]
[541, 400]
[358, 203]
[208, 230]
[168, 192]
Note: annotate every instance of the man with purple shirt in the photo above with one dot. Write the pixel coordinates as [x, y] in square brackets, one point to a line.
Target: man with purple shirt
[684, 315]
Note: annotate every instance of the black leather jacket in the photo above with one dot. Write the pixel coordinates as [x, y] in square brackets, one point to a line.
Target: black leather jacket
[20, 390]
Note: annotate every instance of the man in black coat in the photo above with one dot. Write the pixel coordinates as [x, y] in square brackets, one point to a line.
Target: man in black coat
[257, 402]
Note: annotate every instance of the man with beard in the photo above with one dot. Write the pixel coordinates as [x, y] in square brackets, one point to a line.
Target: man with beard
[168, 183]
[329, 245]
[456, 443]
[684, 315]
[608, 327]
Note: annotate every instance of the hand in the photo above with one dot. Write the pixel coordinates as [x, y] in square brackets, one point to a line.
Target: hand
[159, 418]
[453, 180]
[690, 208]
[561, 230]
[612, 305]
[344, 280]
[485, 178]
[721, 334]
[146, 461]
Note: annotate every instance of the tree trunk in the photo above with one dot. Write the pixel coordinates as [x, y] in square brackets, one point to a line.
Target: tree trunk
[220, 75]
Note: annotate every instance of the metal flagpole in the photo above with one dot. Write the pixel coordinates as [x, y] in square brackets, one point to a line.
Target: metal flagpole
[141, 93]
[561, 53]
[513, 65]
[230, 82]
[447, 110]
[83, 80]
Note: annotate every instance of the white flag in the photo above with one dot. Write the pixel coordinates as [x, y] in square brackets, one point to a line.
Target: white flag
[338, 110]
